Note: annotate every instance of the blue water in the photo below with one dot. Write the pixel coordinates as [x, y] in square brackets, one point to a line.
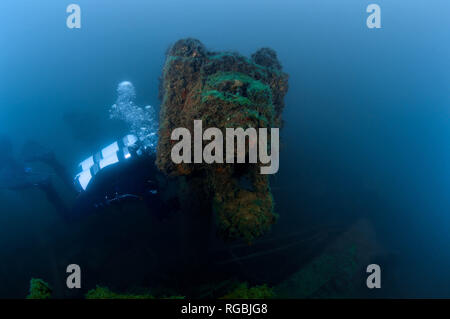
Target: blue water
[367, 116]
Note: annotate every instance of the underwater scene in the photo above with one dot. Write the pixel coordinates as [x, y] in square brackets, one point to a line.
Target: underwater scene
[234, 149]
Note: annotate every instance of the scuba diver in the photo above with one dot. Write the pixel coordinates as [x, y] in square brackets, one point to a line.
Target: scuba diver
[123, 171]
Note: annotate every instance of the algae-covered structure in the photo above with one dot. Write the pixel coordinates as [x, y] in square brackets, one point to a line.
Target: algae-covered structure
[224, 90]
[39, 289]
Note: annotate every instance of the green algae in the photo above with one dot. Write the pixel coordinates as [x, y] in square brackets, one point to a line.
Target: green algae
[101, 292]
[254, 94]
[226, 97]
[39, 289]
[254, 86]
[243, 291]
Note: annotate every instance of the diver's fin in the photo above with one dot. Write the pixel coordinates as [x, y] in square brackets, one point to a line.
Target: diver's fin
[32, 151]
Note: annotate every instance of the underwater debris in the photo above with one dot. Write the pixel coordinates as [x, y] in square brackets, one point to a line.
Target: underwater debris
[223, 90]
[326, 272]
[141, 120]
[39, 289]
[338, 272]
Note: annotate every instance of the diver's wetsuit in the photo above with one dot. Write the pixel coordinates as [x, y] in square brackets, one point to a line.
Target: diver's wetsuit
[136, 179]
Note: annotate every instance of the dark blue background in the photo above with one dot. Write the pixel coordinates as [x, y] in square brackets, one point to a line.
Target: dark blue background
[366, 118]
